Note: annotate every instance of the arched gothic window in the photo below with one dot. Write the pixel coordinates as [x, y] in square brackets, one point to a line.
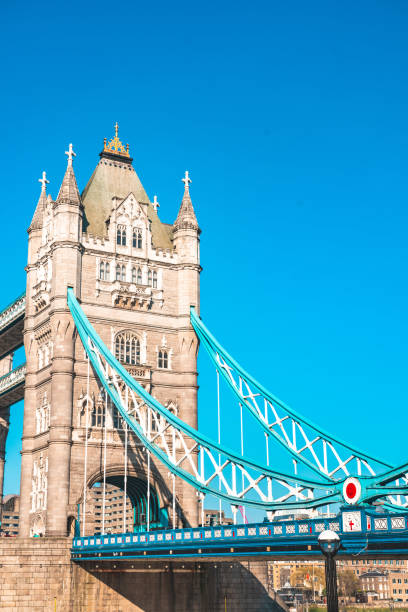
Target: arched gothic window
[43, 415]
[154, 422]
[134, 275]
[104, 270]
[121, 235]
[139, 276]
[172, 407]
[120, 272]
[154, 279]
[117, 419]
[127, 348]
[163, 359]
[137, 238]
[98, 413]
[149, 277]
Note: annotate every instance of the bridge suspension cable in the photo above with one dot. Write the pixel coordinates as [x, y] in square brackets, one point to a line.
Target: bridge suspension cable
[308, 444]
[136, 407]
[139, 409]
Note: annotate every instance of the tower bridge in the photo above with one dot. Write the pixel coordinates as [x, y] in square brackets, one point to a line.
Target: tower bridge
[110, 322]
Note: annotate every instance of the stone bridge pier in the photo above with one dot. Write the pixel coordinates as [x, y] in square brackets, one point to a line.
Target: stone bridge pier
[38, 575]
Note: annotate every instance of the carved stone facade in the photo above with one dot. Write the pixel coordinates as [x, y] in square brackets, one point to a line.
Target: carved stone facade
[136, 278]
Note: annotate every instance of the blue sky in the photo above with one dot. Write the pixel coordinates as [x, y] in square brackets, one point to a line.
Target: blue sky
[292, 120]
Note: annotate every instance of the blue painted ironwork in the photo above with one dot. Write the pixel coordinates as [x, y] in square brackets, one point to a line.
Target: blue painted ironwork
[362, 531]
[307, 443]
[219, 475]
[140, 410]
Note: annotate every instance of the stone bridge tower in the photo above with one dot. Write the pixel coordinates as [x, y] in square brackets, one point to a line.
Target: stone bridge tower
[136, 278]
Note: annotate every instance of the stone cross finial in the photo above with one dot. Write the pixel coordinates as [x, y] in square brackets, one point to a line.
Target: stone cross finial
[155, 203]
[43, 182]
[186, 180]
[70, 154]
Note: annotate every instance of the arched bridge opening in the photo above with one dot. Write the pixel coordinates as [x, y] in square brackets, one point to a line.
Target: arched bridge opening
[117, 506]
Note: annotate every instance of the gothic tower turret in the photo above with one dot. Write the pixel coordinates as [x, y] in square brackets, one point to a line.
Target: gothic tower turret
[136, 278]
[66, 262]
[54, 264]
[37, 291]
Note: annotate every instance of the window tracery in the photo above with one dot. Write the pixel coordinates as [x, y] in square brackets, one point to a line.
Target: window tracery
[137, 238]
[104, 270]
[42, 415]
[39, 484]
[121, 235]
[127, 348]
[120, 272]
[98, 412]
[152, 278]
[44, 354]
[163, 359]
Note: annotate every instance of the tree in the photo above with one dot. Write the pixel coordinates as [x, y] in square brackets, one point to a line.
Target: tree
[309, 577]
[348, 583]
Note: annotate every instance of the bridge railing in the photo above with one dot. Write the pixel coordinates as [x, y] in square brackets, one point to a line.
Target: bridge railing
[12, 379]
[277, 530]
[12, 312]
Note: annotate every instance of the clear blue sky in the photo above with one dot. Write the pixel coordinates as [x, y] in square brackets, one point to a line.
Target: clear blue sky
[292, 120]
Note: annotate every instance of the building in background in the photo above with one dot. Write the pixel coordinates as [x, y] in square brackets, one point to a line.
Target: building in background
[117, 518]
[10, 515]
[212, 517]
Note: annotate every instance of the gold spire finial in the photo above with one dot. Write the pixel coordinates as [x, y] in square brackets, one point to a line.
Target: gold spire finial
[115, 145]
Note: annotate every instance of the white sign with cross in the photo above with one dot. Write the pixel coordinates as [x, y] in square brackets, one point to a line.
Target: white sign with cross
[351, 521]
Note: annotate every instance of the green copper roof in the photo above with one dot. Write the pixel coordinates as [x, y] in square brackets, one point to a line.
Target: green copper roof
[116, 178]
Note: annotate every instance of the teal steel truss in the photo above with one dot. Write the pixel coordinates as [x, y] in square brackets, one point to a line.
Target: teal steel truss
[211, 468]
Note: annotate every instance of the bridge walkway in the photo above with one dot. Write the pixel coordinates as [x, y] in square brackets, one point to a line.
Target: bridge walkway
[12, 326]
[362, 531]
[12, 386]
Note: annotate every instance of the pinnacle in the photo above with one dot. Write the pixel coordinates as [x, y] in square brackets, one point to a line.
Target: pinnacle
[186, 218]
[68, 192]
[38, 216]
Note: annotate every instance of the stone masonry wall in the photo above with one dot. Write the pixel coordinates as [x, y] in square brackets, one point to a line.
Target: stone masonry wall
[33, 572]
[37, 575]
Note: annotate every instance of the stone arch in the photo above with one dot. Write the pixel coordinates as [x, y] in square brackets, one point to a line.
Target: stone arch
[137, 494]
[72, 526]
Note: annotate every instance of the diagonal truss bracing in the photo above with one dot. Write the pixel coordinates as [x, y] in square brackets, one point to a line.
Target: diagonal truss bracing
[205, 465]
[307, 443]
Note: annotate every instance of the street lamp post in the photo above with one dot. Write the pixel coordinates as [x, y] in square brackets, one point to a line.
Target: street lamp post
[329, 543]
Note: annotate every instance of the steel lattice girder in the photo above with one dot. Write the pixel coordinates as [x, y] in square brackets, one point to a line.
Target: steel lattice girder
[140, 410]
[285, 426]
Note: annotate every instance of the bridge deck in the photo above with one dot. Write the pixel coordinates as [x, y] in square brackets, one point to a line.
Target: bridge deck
[379, 535]
[12, 386]
[12, 326]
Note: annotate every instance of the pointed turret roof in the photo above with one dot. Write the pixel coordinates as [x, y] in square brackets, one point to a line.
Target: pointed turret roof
[69, 189]
[186, 218]
[114, 176]
[37, 220]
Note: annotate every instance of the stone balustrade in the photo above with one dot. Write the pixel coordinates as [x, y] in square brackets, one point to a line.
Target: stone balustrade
[12, 379]
[13, 312]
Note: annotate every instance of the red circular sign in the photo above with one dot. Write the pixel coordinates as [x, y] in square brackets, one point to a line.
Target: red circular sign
[351, 490]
